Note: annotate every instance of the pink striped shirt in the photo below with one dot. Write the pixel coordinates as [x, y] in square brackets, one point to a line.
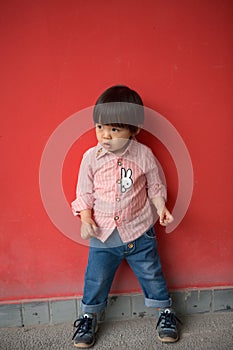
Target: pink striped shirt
[119, 190]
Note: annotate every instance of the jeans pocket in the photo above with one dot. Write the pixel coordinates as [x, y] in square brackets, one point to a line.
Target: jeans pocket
[150, 234]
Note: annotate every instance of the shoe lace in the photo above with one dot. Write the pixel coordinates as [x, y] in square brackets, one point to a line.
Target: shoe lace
[83, 326]
[168, 319]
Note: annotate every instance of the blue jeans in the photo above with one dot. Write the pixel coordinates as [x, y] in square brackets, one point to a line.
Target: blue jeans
[141, 255]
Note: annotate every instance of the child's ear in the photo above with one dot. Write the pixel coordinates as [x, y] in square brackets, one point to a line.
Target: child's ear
[137, 132]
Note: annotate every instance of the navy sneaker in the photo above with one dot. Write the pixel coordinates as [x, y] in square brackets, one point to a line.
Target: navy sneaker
[167, 326]
[84, 336]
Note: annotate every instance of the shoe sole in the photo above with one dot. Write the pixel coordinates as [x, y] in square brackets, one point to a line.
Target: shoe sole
[168, 339]
[86, 346]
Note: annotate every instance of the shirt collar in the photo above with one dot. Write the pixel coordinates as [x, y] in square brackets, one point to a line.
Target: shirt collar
[131, 149]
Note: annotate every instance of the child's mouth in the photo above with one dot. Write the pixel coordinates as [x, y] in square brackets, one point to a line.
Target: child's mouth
[106, 145]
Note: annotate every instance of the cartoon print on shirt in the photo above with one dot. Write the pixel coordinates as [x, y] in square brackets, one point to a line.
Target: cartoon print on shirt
[126, 179]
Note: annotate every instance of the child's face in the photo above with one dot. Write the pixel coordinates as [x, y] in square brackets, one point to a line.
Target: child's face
[112, 138]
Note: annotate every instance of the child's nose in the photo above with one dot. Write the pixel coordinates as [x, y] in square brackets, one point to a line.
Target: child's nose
[106, 134]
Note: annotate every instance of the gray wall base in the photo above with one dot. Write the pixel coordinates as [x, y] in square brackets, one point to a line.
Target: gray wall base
[55, 311]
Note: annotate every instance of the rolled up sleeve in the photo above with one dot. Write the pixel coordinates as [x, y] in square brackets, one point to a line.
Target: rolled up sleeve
[84, 190]
[155, 187]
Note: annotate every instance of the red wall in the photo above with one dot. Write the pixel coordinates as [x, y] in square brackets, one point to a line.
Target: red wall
[56, 58]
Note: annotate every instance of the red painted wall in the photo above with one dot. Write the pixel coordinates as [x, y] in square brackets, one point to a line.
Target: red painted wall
[56, 58]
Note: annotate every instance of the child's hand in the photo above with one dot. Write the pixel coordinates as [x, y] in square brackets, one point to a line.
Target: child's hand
[165, 217]
[88, 229]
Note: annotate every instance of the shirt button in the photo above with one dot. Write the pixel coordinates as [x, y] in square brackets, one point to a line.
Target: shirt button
[130, 245]
[116, 218]
[118, 199]
[119, 181]
[119, 163]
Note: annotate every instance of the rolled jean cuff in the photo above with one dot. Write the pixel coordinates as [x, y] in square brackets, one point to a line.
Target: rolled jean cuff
[158, 303]
[93, 309]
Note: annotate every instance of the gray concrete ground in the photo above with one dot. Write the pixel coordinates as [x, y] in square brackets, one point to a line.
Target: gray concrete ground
[212, 331]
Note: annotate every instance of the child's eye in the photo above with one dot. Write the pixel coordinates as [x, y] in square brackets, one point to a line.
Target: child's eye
[115, 129]
[99, 126]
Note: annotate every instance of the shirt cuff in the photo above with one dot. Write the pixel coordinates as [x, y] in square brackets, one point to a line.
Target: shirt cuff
[77, 207]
